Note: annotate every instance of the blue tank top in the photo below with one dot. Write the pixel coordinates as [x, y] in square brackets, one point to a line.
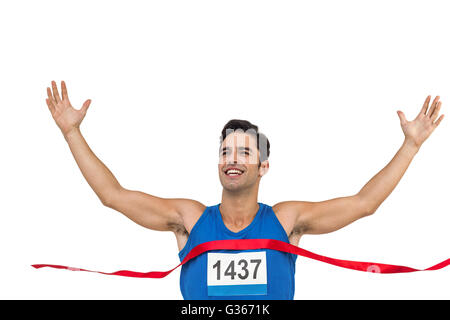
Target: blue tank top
[278, 267]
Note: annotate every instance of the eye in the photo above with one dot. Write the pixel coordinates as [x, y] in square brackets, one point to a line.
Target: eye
[245, 152]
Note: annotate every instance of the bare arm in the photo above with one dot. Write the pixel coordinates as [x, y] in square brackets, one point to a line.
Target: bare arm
[307, 217]
[149, 211]
[330, 215]
[416, 132]
[383, 183]
[161, 214]
[97, 175]
[68, 119]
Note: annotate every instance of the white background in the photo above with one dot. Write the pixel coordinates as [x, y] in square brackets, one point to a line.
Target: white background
[323, 80]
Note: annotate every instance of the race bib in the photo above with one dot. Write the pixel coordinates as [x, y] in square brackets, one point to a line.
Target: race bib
[231, 274]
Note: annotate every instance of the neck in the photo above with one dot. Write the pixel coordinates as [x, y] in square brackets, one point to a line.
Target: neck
[239, 209]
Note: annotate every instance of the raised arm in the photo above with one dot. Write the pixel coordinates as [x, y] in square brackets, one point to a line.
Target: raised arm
[416, 132]
[330, 215]
[149, 211]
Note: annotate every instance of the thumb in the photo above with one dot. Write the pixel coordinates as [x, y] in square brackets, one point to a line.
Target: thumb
[85, 106]
[402, 117]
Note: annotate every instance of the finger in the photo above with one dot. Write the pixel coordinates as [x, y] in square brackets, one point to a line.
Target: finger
[436, 111]
[402, 117]
[433, 106]
[65, 96]
[425, 106]
[85, 106]
[50, 105]
[49, 94]
[55, 92]
[438, 121]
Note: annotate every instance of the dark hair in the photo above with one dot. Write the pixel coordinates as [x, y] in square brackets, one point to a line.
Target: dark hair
[262, 142]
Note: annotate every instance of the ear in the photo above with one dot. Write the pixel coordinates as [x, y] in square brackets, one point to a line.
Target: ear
[264, 168]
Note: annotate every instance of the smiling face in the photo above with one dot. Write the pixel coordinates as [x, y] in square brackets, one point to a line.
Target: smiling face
[239, 162]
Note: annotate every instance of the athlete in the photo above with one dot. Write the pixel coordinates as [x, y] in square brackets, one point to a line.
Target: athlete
[243, 161]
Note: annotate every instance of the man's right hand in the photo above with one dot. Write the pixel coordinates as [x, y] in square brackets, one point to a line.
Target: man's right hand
[66, 117]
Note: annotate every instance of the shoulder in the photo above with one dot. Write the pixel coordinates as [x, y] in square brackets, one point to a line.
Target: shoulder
[189, 211]
[288, 213]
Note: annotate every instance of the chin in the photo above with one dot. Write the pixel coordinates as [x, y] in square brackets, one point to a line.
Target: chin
[234, 187]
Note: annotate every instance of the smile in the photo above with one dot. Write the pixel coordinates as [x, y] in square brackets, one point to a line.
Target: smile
[234, 172]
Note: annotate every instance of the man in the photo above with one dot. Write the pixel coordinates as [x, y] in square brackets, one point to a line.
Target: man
[243, 161]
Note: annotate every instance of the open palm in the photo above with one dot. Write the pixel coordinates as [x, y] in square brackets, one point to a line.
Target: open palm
[66, 117]
[419, 129]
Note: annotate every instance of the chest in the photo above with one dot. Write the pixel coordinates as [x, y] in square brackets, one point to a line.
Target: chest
[284, 219]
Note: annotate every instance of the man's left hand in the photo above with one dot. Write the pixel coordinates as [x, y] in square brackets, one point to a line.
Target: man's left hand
[419, 129]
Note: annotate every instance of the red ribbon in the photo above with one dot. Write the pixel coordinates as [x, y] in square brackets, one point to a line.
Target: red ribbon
[250, 244]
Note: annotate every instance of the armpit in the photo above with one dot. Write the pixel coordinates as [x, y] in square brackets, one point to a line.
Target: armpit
[177, 228]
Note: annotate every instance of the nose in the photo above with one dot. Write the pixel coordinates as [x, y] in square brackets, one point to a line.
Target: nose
[235, 156]
[231, 160]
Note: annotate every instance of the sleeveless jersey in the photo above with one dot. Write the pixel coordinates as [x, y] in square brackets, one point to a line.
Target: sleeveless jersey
[237, 274]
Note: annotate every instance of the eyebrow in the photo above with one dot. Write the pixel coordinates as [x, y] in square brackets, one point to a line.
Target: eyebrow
[240, 148]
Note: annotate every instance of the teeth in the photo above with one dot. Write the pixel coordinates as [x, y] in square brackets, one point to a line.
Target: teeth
[232, 171]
